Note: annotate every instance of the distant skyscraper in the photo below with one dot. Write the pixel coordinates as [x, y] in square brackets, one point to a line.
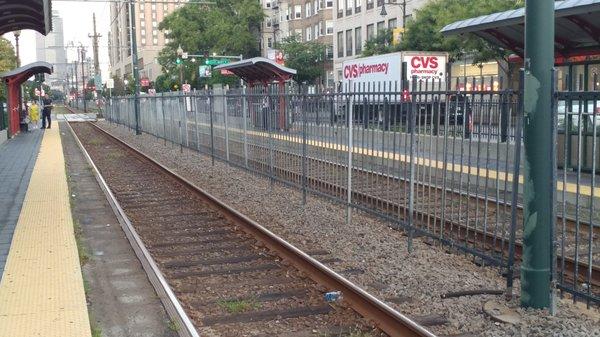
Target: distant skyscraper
[51, 49]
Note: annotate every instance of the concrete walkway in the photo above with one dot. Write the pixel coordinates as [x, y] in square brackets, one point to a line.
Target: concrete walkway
[17, 158]
[41, 293]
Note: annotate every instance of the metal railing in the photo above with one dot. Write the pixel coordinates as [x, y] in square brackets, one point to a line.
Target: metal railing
[437, 163]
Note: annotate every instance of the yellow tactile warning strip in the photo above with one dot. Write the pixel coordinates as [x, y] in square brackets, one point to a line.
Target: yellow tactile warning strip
[41, 292]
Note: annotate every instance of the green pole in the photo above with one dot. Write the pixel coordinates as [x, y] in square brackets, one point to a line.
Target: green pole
[539, 185]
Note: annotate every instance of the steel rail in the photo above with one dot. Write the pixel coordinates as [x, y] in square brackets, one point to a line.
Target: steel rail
[163, 290]
[384, 317]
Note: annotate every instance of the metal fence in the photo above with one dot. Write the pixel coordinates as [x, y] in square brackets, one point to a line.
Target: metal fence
[440, 164]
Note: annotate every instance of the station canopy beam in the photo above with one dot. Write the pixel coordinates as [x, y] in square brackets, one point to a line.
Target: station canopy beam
[577, 28]
[25, 14]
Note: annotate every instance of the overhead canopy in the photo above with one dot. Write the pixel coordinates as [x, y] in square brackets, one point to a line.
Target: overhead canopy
[258, 69]
[25, 14]
[577, 28]
[21, 74]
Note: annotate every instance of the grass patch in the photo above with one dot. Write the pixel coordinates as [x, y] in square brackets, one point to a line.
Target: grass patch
[237, 306]
[95, 142]
[173, 326]
[84, 256]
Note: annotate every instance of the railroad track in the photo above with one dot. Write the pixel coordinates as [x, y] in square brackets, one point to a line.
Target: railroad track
[481, 222]
[231, 276]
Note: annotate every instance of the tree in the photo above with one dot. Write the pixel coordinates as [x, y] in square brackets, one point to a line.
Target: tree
[8, 61]
[229, 27]
[306, 57]
[423, 33]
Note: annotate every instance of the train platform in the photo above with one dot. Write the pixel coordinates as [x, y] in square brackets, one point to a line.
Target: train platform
[41, 291]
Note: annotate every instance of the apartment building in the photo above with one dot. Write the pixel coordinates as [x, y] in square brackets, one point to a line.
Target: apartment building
[150, 40]
[309, 20]
[357, 21]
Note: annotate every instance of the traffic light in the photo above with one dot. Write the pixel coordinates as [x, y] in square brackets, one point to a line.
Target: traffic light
[178, 61]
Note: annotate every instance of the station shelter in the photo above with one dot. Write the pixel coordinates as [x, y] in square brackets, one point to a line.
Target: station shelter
[15, 16]
[13, 80]
[260, 71]
[577, 69]
[577, 42]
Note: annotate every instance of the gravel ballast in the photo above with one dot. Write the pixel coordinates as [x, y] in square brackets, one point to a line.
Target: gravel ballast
[371, 254]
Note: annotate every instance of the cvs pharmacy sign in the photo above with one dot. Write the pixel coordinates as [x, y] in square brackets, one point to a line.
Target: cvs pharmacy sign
[357, 70]
[426, 67]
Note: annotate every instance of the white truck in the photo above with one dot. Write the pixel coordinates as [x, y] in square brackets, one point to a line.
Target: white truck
[381, 87]
[395, 71]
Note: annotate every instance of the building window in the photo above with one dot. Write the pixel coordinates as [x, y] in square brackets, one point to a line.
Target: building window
[165, 7]
[357, 40]
[142, 7]
[287, 13]
[370, 32]
[308, 32]
[316, 6]
[357, 6]
[153, 15]
[142, 15]
[329, 3]
[340, 9]
[329, 52]
[308, 9]
[270, 42]
[392, 23]
[349, 50]
[268, 22]
[349, 5]
[143, 41]
[370, 4]
[297, 11]
[329, 27]
[155, 41]
[153, 6]
[143, 23]
[143, 32]
[154, 32]
[380, 26]
[154, 24]
[268, 4]
[340, 44]
[298, 33]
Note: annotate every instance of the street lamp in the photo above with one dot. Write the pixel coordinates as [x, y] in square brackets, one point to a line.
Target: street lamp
[17, 34]
[403, 8]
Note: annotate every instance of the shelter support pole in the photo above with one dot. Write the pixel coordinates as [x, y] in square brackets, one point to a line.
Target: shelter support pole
[136, 71]
[539, 185]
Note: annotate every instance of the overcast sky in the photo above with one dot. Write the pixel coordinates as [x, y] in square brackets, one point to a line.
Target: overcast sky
[77, 22]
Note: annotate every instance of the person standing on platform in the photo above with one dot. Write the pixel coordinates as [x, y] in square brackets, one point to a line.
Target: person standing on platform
[34, 114]
[46, 111]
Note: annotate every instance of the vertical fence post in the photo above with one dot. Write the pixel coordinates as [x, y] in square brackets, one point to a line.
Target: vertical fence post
[211, 106]
[245, 122]
[196, 122]
[162, 109]
[304, 113]
[269, 118]
[181, 110]
[225, 115]
[539, 185]
[504, 118]
[411, 190]
[350, 117]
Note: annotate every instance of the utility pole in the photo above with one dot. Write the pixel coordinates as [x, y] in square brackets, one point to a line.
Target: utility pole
[83, 78]
[95, 48]
[76, 79]
[540, 174]
[136, 71]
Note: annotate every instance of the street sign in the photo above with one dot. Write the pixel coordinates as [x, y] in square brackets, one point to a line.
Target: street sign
[184, 55]
[110, 83]
[226, 72]
[152, 92]
[216, 62]
[205, 71]
[186, 87]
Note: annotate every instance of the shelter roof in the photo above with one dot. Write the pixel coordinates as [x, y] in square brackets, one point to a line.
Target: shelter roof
[258, 69]
[25, 14]
[577, 27]
[21, 74]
